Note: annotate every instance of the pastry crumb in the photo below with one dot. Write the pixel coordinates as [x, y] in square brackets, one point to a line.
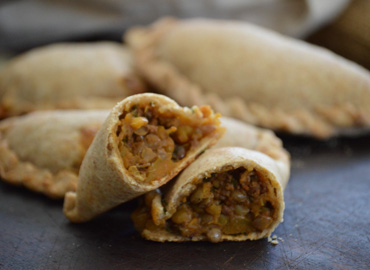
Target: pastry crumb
[275, 242]
[274, 239]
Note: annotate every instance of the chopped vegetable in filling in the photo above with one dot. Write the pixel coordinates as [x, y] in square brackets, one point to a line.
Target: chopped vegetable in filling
[233, 202]
[152, 141]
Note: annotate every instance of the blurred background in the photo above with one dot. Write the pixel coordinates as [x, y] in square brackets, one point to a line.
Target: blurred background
[342, 26]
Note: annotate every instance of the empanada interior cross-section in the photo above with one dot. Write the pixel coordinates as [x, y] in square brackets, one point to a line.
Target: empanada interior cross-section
[146, 140]
[228, 193]
[232, 192]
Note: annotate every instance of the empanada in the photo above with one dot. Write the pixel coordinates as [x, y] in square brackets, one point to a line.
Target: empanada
[240, 134]
[44, 150]
[146, 140]
[228, 193]
[68, 76]
[255, 75]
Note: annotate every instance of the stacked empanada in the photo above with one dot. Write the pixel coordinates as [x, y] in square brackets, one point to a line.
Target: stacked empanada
[146, 140]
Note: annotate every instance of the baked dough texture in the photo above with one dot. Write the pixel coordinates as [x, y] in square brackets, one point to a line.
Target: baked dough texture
[253, 74]
[43, 150]
[68, 76]
[105, 180]
[240, 134]
[156, 217]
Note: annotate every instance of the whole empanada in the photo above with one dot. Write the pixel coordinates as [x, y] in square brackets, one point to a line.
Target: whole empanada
[68, 76]
[255, 75]
[227, 194]
[44, 150]
[146, 140]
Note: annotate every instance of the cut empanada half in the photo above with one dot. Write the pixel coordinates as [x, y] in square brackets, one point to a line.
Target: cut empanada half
[43, 151]
[68, 76]
[227, 194]
[146, 140]
[255, 75]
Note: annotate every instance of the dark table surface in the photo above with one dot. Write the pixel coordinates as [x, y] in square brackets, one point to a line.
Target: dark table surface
[327, 224]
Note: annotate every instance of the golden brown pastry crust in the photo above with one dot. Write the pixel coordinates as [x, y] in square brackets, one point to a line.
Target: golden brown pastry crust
[255, 75]
[104, 182]
[68, 76]
[44, 150]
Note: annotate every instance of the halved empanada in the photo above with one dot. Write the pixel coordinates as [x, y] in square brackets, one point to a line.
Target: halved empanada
[146, 140]
[255, 75]
[44, 150]
[68, 76]
[228, 193]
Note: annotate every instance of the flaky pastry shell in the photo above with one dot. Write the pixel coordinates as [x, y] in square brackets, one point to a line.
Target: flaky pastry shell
[146, 140]
[68, 76]
[43, 150]
[258, 76]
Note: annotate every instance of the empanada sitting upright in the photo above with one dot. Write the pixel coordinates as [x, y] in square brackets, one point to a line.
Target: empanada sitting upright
[258, 76]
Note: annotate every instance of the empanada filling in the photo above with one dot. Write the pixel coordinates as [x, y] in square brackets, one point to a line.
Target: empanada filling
[152, 140]
[232, 202]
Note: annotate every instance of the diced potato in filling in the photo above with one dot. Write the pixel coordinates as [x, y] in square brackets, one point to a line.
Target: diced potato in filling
[232, 202]
[154, 140]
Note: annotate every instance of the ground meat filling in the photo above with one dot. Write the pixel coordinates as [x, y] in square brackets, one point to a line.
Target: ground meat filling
[152, 141]
[232, 203]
